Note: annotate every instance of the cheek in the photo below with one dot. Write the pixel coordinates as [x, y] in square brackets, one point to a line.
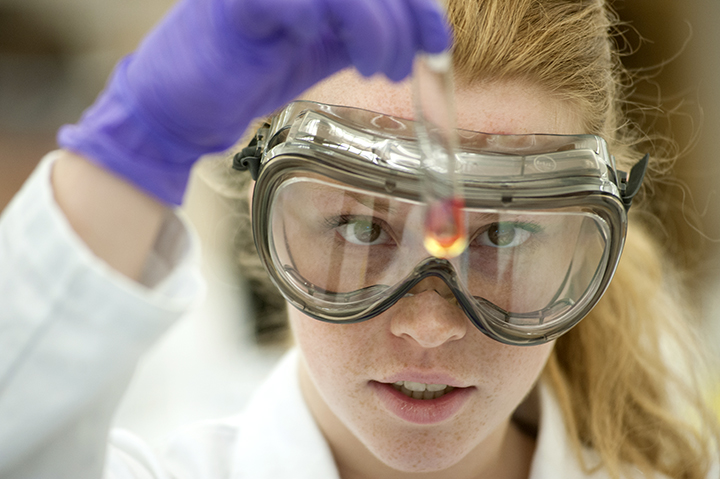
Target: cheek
[335, 353]
[511, 371]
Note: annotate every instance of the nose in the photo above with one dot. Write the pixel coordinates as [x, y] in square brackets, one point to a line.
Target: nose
[429, 315]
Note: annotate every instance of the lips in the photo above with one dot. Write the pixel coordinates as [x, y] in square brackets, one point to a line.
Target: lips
[445, 403]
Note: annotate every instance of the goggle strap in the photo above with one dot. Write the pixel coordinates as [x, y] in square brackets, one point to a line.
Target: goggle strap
[630, 185]
[249, 158]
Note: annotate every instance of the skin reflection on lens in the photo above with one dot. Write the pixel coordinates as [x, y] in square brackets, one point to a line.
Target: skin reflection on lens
[528, 275]
[342, 241]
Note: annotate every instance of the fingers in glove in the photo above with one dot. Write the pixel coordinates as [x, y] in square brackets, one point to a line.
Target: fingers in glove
[379, 36]
[434, 34]
[404, 42]
[365, 30]
[382, 36]
[299, 20]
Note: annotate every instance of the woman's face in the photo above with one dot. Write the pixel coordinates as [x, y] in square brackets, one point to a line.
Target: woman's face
[348, 371]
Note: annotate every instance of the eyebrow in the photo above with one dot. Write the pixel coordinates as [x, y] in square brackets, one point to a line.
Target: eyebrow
[381, 205]
[376, 203]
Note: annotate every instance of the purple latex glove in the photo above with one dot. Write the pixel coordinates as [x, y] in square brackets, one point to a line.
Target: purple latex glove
[212, 66]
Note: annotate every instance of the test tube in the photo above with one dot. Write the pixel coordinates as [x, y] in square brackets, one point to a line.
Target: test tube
[445, 234]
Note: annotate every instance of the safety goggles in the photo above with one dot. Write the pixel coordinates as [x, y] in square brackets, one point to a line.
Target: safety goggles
[338, 219]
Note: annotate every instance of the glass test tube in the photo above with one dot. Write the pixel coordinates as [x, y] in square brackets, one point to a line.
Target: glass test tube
[445, 234]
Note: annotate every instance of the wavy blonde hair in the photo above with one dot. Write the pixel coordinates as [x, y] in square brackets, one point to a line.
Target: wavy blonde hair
[625, 376]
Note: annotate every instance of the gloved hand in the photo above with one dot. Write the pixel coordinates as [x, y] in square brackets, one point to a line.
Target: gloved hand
[211, 66]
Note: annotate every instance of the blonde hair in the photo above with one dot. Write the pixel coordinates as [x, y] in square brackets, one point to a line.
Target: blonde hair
[613, 373]
[625, 376]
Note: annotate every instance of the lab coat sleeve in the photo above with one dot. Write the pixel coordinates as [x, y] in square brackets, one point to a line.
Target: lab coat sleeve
[72, 330]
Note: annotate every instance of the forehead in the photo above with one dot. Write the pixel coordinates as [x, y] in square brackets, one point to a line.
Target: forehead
[506, 107]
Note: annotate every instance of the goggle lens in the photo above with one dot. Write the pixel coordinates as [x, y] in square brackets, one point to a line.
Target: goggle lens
[344, 248]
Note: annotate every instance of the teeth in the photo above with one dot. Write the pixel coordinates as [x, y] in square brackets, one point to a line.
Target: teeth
[420, 387]
[416, 387]
[421, 390]
[434, 387]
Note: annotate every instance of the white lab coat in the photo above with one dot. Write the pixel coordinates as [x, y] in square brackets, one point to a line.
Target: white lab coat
[71, 333]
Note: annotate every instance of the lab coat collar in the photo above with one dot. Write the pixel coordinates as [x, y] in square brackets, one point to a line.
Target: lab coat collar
[279, 437]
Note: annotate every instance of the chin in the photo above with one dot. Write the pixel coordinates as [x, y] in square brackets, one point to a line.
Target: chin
[417, 454]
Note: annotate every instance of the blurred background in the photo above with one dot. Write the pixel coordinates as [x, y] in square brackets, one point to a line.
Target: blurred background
[56, 54]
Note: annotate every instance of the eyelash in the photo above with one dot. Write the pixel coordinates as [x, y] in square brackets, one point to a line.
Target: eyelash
[527, 227]
[338, 222]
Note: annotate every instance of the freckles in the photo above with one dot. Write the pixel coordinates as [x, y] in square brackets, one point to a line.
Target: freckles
[509, 372]
[424, 450]
[342, 358]
[331, 346]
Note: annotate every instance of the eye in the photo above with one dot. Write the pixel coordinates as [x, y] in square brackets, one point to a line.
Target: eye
[362, 231]
[506, 234]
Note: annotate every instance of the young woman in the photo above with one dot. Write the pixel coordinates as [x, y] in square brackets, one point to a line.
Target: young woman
[407, 364]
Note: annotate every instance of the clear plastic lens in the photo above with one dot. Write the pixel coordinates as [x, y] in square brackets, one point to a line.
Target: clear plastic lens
[336, 244]
[340, 236]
